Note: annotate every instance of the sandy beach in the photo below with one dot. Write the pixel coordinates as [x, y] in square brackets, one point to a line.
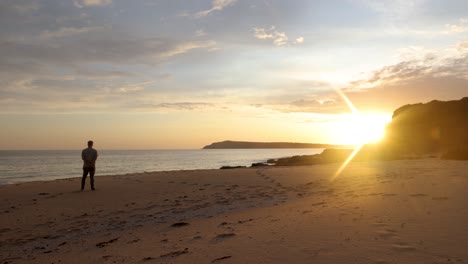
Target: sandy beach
[409, 211]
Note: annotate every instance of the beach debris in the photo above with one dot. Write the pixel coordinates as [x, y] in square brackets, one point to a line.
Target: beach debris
[105, 243]
[180, 224]
[174, 254]
[221, 258]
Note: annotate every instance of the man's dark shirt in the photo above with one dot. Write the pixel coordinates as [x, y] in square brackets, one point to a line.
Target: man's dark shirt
[89, 156]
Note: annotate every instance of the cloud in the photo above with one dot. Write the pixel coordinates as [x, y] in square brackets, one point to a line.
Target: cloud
[217, 5]
[420, 80]
[300, 40]
[84, 3]
[200, 33]
[177, 106]
[279, 38]
[328, 106]
[98, 47]
[426, 75]
[82, 63]
[67, 32]
[25, 7]
[455, 28]
[462, 46]
[460, 27]
[394, 10]
[188, 46]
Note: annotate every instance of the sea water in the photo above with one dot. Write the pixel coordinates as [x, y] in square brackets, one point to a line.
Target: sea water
[34, 165]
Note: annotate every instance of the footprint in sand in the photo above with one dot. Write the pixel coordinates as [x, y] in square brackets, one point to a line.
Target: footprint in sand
[403, 247]
[317, 204]
[106, 257]
[440, 198]
[3, 230]
[175, 253]
[105, 243]
[180, 224]
[381, 262]
[245, 221]
[418, 195]
[133, 241]
[386, 233]
[386, 182]
[221, 258]
[222, 237]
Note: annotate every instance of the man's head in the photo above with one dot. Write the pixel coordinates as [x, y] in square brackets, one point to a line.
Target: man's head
[90, 143]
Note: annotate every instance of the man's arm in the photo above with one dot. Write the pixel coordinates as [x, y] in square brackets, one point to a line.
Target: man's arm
[82, 154]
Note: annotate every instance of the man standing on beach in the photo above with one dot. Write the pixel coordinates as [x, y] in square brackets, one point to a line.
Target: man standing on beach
[89, 157]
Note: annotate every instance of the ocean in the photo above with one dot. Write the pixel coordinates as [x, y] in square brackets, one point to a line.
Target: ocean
[37, 165]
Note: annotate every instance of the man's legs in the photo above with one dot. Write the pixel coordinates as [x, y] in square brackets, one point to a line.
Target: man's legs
[83, 179]
[91, 177]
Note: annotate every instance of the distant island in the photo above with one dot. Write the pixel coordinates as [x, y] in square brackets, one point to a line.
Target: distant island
[228, 144]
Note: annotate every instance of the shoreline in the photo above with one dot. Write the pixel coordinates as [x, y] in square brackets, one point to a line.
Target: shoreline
[270, 214]
[45, 166]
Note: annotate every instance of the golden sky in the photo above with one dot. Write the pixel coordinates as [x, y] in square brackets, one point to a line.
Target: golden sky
[182, 74]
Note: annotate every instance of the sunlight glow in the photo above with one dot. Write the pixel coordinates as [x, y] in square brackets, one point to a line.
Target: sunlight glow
[347, 161]
[348, 102]
[359, 128]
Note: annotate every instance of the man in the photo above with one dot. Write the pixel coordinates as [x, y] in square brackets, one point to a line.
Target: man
[89, 157]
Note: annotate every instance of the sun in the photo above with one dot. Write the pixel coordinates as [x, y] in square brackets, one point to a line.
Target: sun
[358, 128]
[361, 128]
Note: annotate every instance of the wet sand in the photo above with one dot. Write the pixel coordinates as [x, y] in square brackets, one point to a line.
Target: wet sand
[411, 211]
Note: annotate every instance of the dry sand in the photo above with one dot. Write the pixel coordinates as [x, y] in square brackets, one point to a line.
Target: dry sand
[413, 211]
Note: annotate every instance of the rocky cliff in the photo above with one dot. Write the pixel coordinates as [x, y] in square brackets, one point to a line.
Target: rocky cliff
[429, 128]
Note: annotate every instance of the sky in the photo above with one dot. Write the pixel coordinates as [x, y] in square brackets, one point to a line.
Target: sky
[163, 74]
